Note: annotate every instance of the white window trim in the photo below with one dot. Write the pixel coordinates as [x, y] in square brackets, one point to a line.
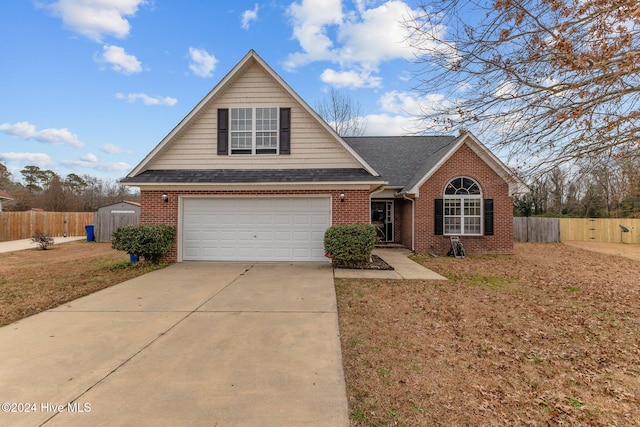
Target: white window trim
[253, 131]
[462, 198]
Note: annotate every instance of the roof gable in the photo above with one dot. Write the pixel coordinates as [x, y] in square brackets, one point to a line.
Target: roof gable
[406, 162]
[195, 131]
[468, 139]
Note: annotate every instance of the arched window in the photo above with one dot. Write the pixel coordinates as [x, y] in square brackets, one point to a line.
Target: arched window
[463, 207]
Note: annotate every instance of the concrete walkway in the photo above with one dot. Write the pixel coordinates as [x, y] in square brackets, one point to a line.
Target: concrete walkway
[18, 245]
[404, 268]
[198, 344]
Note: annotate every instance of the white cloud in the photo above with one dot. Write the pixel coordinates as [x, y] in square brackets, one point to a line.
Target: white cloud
[506, 90]
[96, 19]
[350, 79]
[146, 99]
[37, 159]
[202, 62]
[248, 16]
[110, 149]
[89, 158]
[100, 166]
[358, 40]
[26, 130]
[120, 60]
[377, 35]
[310, 20]
[401, 113]
[411, 104]
[385, 124]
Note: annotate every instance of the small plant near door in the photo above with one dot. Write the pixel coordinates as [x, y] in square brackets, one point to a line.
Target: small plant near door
[349, 244]
[42, 239]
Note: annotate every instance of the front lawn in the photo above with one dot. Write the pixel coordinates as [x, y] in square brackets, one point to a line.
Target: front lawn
[548, 336]
[35, 280]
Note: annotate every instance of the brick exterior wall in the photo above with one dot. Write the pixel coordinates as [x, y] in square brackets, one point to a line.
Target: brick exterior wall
[465, 162]
[355, 208]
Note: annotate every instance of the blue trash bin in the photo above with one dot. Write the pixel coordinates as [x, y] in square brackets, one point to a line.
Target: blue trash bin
[90, 235]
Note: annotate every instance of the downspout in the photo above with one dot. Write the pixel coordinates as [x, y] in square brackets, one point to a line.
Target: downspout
[413, 221]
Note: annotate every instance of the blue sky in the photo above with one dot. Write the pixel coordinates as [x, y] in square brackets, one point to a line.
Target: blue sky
[91, 86]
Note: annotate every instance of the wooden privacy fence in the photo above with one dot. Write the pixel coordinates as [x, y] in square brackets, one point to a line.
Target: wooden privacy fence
[105, 223]
[600, 229]
[22, 225]
[608, 230]
[534, 229]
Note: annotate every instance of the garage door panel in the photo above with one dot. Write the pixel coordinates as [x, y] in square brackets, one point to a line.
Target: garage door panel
[264, 219]
[318, 220]
[245, 219]
[282, 219]
[262, 229]
[282, 235]
[301, 219]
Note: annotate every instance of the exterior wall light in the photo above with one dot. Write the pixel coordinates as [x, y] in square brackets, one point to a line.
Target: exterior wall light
[165, 198]
[341, 197]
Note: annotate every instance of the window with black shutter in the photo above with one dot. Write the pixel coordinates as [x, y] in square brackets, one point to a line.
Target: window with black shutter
[254, 131]
[460, 212]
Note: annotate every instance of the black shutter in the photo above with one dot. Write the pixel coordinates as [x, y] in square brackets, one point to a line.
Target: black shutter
[488, 217]
[223, 131]
[439, 217]
[285, 131]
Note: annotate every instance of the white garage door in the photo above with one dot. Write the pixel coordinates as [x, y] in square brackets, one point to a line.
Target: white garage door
[255, 229]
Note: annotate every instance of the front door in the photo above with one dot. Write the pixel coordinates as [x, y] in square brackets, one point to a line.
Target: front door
[382, 219]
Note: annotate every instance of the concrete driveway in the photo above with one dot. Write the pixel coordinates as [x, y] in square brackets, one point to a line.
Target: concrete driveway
[201, 344]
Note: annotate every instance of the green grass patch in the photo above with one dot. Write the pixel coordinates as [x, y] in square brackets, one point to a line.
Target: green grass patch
[574, 402]
[534, 358]
[384, 372]
[359, 415]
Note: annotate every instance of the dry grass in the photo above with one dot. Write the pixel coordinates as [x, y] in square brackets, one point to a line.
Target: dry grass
[548, 336]
[34, 280]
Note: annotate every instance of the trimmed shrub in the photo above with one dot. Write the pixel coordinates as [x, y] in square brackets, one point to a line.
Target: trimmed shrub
[42, 239]
[349, 244]
[150, 241]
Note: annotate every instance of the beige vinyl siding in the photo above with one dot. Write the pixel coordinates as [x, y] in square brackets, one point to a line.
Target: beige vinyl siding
[311, 145]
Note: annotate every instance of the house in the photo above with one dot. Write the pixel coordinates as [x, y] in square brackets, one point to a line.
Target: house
[122, 207]
[4, 196]
[254, 173]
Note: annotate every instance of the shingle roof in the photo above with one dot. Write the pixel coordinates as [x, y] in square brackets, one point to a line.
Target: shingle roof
[402, 160]
[5, 195]
[229, 176]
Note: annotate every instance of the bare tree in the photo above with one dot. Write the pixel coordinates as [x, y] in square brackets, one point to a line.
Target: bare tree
[549, 80]
[342, 113]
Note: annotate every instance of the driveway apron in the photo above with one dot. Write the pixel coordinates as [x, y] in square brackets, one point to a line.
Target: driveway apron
[202, 344]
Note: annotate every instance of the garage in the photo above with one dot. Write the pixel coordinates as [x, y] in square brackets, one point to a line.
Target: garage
[255, 229]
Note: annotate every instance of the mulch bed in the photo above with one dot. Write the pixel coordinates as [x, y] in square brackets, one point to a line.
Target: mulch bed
[376, 263]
